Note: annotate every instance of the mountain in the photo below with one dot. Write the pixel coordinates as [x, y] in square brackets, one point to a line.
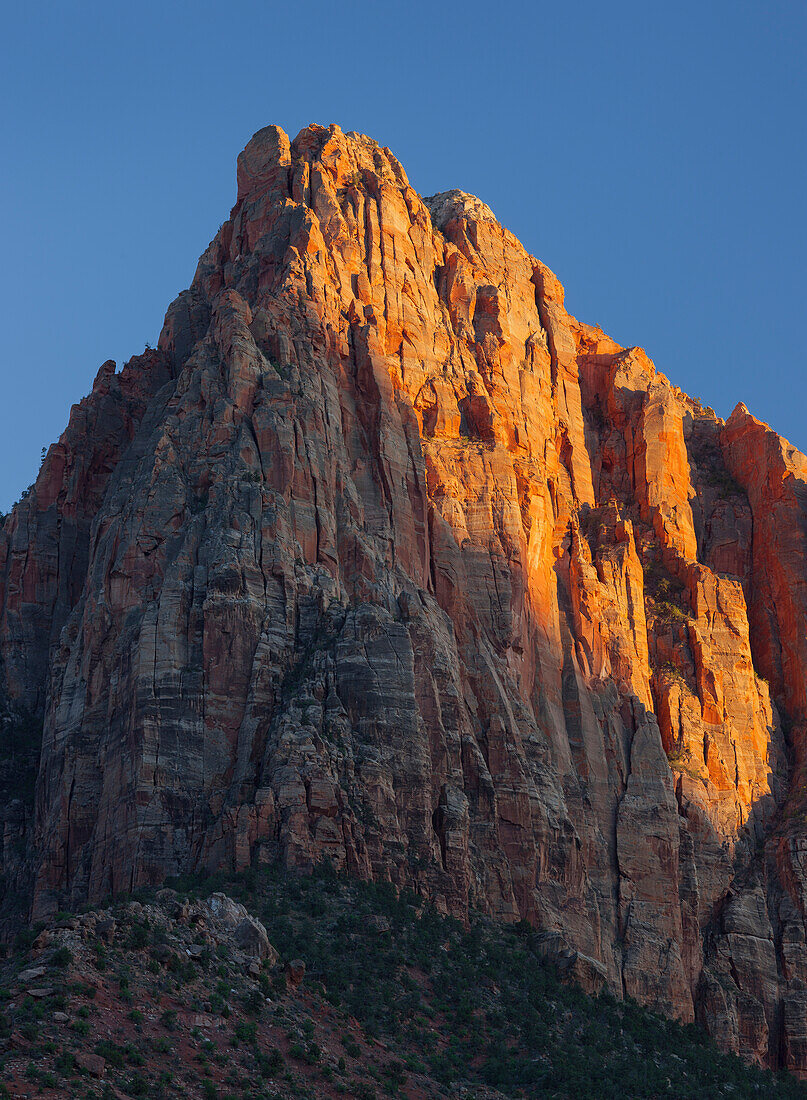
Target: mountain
[382, 558]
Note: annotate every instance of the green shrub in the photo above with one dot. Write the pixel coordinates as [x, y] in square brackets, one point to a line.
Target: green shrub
[134, 1056]
[269, 1061]
[137, 1085]
[351, 1046]
[253, 1002]
[62, 957]
[138, 937]
[308, 1053]
[245, 1032]
[669, 612]
[112, 1053]
[65, 1064]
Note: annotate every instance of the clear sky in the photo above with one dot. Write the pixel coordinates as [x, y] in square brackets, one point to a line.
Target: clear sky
[652, 154]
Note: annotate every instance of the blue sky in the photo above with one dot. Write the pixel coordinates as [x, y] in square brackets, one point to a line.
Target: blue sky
[653, 155]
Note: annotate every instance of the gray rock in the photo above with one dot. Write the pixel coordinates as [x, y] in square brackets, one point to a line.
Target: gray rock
[31, 975]
[250, 936]
[227, 913]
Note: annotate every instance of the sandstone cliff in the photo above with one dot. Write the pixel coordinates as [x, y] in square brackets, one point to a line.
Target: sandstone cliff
[384, 557]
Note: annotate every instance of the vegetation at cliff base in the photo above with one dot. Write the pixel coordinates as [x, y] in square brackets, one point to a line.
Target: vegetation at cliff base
[481, 1005]
[364, 992]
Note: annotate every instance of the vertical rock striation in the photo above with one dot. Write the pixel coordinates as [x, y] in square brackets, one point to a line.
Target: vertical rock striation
[382, 557]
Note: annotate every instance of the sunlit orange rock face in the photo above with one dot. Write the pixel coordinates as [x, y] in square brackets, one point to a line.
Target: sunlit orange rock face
[382, 557]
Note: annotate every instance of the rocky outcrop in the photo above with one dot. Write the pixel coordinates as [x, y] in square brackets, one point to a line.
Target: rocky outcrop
[384, 558]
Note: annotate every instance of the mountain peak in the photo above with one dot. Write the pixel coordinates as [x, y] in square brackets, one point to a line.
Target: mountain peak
[383, 558]
[447, 205]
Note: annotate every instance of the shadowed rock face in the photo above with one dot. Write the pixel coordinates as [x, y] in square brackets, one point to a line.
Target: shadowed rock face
[383, 557]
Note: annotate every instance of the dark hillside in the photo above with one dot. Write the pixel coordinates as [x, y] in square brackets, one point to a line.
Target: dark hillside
[167, 995]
